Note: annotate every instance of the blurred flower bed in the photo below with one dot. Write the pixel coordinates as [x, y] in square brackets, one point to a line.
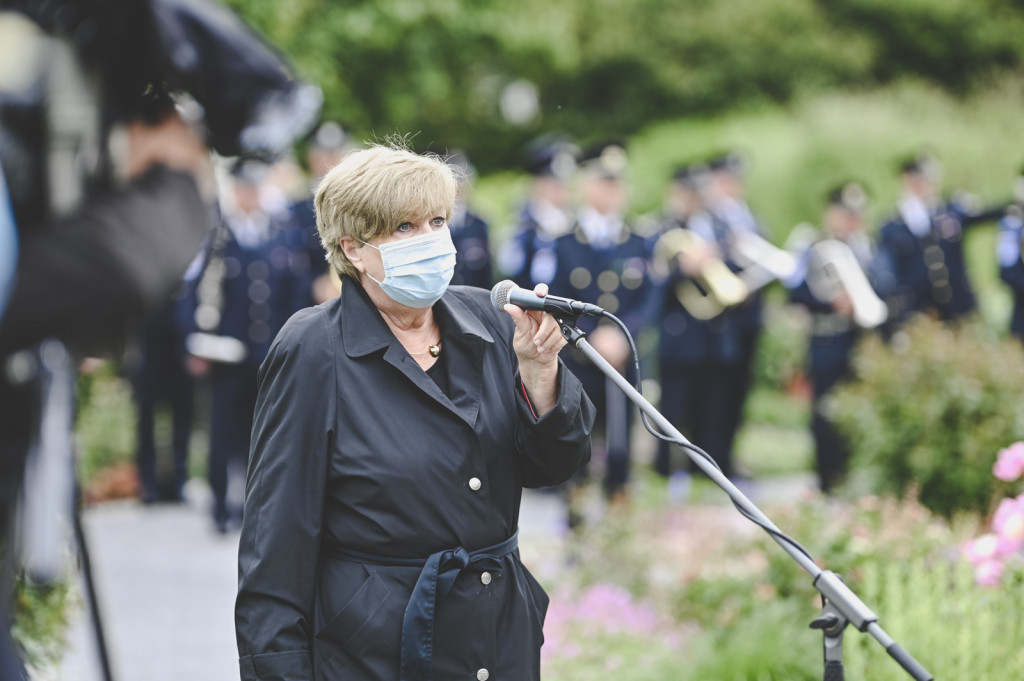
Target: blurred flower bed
[994, 552]
[698, 593]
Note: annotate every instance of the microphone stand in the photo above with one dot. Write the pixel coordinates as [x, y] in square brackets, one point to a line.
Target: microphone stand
[841, 604]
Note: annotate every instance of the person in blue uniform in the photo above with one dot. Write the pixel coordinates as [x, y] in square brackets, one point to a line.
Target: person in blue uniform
[1011, 265]
[161, 378]
[249, 285]
[834, 326]
[327, 146]
[922, 247]
[603, 261]
[528, 257]
[736, 331]
[695, 355]
[395, 429]
[470, 232]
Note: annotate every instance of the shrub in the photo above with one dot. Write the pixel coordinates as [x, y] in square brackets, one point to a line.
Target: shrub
[930, 413]
[105, 423]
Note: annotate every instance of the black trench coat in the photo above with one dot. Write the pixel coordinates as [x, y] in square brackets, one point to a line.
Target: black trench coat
[356, 449]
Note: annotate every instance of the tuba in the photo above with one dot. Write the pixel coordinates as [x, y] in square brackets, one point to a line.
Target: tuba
[833, 270]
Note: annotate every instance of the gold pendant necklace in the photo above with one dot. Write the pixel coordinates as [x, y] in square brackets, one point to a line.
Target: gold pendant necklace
[432, 350]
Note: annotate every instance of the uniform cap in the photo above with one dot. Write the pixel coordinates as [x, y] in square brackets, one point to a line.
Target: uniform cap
[329, 137]
[249, 171]
[849, 195]
[693, 176]
[606, 159]
[551, 156]
[728, 162]
[921, 164]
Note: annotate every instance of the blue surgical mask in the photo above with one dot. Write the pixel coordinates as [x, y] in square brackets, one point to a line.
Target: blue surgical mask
[417, 270]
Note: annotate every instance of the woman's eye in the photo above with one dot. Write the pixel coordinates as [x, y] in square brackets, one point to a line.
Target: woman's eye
[404, 227]
[438, 222]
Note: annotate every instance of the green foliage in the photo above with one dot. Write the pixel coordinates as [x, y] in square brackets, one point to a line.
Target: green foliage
[105, 424]
[972, 632]
[931, 413]
[611, 67]
[40, 621]
[781, 348]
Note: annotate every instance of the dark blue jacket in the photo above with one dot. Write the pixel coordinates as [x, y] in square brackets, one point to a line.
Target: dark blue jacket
[528, 258]
[616, 278]
[473, 263]
[305, 239]
[914, 285]
[1011, 267]
[260, 289]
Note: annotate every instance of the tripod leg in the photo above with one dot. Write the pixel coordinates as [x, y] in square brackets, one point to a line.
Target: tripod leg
[90, 596]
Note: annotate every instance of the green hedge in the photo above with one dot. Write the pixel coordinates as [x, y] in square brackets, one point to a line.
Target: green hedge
[930, 413]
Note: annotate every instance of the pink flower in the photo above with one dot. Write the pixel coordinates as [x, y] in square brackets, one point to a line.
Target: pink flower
[1010, 463]
[982, 550]
[989, 573]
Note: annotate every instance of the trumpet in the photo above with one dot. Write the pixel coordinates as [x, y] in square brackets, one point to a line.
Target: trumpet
[835, 270]
[716, 287]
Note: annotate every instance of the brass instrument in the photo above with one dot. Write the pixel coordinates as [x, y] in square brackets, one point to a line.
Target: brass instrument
[834, 270]
[719, 287]
[716, 287]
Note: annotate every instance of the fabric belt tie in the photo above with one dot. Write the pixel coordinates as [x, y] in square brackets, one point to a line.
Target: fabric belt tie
[438, 575]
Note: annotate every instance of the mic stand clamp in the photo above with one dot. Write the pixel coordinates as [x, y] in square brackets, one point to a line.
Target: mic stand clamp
[832, 625]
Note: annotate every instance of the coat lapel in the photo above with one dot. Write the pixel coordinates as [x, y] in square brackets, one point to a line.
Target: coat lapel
[364, 332]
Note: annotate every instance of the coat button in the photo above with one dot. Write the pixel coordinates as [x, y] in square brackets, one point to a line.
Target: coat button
[485, 577]
[474, 484]
[482, 675]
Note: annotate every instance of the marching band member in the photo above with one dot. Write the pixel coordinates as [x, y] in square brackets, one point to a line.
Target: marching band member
[1011, 267]
[732, 217]
[529, 258]
[605, 261]
[834, 319]
[695, 356]
[922, 246]
[250, 283]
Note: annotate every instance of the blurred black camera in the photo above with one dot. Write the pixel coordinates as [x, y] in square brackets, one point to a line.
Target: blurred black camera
[71, 71]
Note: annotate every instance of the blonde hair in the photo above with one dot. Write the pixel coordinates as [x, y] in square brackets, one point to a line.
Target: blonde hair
[374, 190]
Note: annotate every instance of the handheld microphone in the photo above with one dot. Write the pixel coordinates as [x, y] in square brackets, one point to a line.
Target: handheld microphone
[507, 292]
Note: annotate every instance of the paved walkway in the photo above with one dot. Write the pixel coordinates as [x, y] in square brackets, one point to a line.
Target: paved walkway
[167, 582]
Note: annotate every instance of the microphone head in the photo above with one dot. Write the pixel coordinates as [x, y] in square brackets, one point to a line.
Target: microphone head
[500, 293]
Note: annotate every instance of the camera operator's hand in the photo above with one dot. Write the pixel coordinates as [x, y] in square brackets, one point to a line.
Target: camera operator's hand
[171, 143]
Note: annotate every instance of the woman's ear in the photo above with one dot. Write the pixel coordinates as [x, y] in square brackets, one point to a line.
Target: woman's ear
[351, 248]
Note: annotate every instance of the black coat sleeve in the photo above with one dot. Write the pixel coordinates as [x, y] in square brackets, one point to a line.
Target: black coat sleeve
[279, 547]
[556, 445]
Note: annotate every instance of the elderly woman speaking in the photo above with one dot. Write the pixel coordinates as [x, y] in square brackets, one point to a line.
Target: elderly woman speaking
[395, 428]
